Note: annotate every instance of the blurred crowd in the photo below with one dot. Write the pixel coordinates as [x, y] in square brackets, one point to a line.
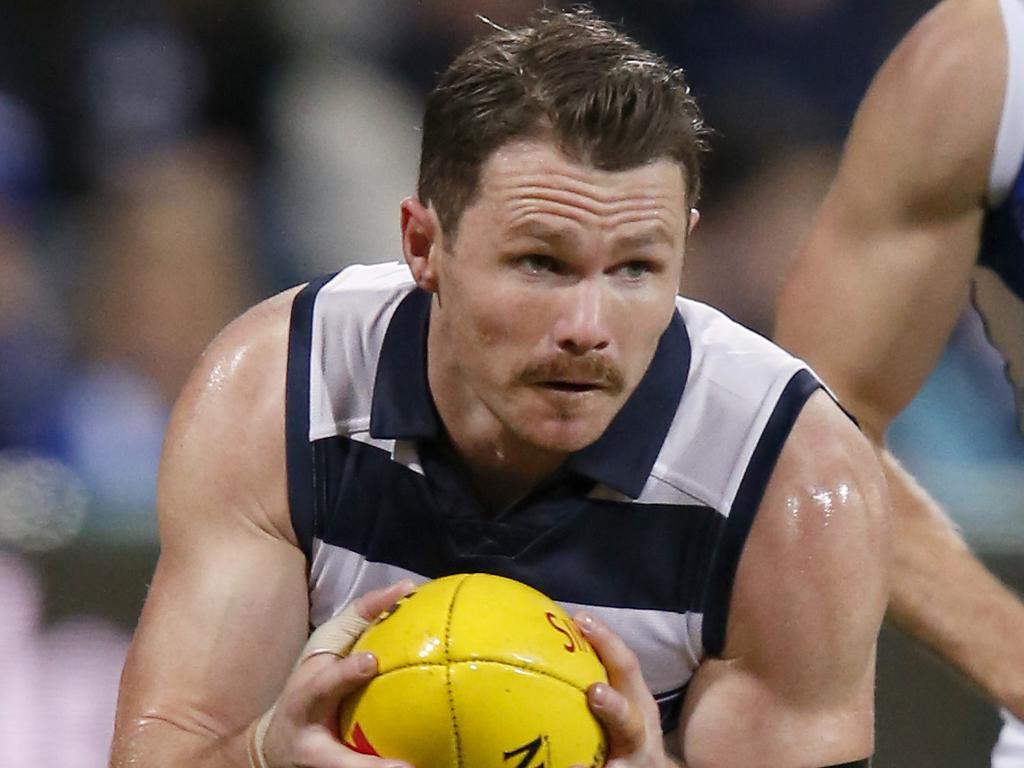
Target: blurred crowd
[166, 163]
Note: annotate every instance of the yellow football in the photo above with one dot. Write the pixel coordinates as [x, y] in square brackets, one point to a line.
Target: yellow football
[477, 671]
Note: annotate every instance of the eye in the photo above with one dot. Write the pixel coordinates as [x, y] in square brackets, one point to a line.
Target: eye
[538, 264]
[636, 269]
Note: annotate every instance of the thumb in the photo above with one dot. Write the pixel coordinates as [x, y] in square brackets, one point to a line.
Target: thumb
[375, 602]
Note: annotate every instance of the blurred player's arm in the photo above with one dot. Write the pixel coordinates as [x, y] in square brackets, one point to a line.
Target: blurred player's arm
[227, 613]
[877, 288]
[795, 683]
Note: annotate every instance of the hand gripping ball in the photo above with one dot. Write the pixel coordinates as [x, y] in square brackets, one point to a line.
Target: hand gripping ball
[477, 671]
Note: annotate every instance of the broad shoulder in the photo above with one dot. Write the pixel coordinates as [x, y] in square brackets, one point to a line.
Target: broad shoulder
[795, 682]
[827, 484]
[811, 585]
[224, 452]
[825, 443]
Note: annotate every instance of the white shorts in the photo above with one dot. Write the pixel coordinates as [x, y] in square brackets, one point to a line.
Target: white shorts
[1009, 750]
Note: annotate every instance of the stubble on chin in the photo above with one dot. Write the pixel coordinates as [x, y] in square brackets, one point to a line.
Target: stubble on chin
[571, 426]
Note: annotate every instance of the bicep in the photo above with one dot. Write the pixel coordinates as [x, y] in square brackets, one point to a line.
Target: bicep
[227, 611]
[220, 629]
[795, 682]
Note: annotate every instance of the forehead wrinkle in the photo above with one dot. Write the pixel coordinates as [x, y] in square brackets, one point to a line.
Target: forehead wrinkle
[590, 201]
[598, 199]
[533, 216]
[658, 214]
[534, 181]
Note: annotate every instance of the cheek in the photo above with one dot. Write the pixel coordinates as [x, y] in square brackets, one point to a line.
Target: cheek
[490, 343]
[501, 319]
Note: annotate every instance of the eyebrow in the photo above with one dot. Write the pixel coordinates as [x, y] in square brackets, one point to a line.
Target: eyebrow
[541, 231]
[652, 235]
[648, 237]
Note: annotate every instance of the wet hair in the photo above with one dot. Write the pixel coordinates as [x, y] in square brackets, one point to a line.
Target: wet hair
[570, 76]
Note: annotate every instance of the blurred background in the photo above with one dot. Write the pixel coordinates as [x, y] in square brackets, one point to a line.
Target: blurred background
[166, 163]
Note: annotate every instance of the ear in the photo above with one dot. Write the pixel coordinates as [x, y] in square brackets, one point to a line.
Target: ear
[694, 218]
[421, 240]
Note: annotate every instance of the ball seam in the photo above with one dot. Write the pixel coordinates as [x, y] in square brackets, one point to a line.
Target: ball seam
[487, 660]
[457, 741]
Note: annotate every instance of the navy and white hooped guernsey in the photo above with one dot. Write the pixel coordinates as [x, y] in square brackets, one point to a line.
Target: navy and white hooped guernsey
[644, 527]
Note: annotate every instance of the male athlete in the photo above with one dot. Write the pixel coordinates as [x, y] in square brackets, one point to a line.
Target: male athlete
[929, 191]
[526, 395]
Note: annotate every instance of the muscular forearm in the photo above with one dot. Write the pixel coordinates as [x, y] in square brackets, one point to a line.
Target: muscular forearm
[154, 742]
[945, 598]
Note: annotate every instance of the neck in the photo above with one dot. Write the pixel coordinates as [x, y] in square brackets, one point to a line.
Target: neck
[502, 470]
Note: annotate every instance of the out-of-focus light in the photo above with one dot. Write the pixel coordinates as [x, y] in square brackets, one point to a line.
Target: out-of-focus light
[43, 504]
[59, 689]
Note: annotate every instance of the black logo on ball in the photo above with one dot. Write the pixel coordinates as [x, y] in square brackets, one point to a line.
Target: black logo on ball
[530, 755]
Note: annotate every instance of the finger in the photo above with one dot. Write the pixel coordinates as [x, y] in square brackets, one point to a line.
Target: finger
[328, 679]
[621, 719]
[623, 667]
[376, 601]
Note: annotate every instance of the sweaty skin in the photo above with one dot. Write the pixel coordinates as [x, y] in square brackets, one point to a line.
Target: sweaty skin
[795, 685]
[877, 288]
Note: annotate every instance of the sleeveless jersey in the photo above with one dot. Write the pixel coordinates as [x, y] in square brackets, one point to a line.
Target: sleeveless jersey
[644, 527]
[998, 290]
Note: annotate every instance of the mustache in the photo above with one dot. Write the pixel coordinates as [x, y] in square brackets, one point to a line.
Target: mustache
[594, 369]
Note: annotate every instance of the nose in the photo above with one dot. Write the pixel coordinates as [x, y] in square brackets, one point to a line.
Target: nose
[582, 324]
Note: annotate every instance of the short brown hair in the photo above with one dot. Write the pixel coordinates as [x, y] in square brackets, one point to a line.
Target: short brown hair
[607, 101]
